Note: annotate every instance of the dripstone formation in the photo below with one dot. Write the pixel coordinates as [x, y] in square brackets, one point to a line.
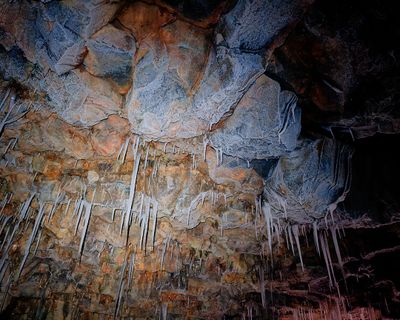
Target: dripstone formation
[199, 160]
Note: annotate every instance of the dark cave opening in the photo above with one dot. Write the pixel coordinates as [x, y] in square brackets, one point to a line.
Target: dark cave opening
[375, 176]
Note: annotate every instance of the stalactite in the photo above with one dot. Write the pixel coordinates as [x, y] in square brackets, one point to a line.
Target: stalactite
[3, 204]
[26, 206]
[336, 246]
[193, 160]
[250, 312]
[165, 244]
[155, 210]
[268, 219]
[88, 213]
[119, 305]
[289, 230]
[315, 235]
[140, 207]
[255, 223]
[7, 120]
[81, 205]
[285, 230]
[262, 287]
[59, 197]
[129, 202]
[147, 224]
[66, 209]
[120, 288]
[22, 215]
[130, 271]
[3, 101]
[120, 152]
[136, 147]
[35, 229]
[8, 113]
[37, 242]
[205, 143]
[4, 220]
[146, 159]
[164, 310]
[3, 271]
[144, 225]
[327, 258]
[11, 145]
[4, 239]
[123, 151]
[295, 230]
[8, 285]
[278, 232]
[76, 206]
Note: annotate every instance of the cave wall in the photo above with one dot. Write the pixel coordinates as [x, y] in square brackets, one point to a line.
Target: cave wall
[198, 160]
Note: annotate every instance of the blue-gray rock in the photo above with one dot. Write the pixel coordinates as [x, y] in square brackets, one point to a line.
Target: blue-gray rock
[52, 34]
[71, 58]
[309, 182]
[80, 98]
[265, 123]
[181, 89]
[253, 24]
[164, 81]
[228, 75]
[110, 55]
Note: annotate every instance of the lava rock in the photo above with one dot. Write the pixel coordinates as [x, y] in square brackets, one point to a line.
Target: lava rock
[310, 182]
[110, 55]
[265, 123]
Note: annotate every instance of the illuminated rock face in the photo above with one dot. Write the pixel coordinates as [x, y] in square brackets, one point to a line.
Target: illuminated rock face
[197, 160]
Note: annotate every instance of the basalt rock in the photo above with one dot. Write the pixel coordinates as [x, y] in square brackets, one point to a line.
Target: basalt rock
[265, 123]
[198, 160]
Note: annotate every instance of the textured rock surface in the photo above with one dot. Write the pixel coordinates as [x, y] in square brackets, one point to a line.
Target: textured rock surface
[308, 183]
[181, 85]
[241, 27]
[193, 160]
[265, 124]
[110, 55]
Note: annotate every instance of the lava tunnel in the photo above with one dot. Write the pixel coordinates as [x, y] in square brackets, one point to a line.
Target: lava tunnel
[199, 159]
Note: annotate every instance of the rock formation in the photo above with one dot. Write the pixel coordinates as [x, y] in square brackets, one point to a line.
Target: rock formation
[199, 160]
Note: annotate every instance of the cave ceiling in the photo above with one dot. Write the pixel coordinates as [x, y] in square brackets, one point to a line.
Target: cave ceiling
[199, 159]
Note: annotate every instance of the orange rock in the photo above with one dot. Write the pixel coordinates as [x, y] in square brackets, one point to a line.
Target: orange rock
[52, 171]
[109, 135]
[105, 268]
[143, 19]
[233, 278]
[243, 179]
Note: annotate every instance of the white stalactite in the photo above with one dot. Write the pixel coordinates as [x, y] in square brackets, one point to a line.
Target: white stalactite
[129, 202]
[295, 230]
[155, 211]
[35, 229]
